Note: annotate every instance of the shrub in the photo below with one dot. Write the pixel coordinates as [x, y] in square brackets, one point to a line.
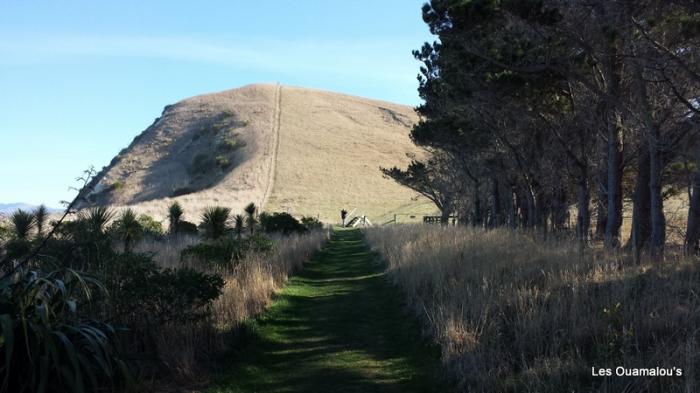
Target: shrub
[202, 164]
[116, 186]
[311, 223]
[47, 345]
[222, 252]
[283, 223]
[186, 227]
[258, 243]
[225, 252]
[222, 161]
[144, 293]
[150, 227]
[229, 144]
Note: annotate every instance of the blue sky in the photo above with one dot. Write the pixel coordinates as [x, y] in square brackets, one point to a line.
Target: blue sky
[80, 79]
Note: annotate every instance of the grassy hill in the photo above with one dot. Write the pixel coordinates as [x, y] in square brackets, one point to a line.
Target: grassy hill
[303, 151]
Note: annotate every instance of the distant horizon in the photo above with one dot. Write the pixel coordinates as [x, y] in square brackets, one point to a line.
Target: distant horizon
[78, 90]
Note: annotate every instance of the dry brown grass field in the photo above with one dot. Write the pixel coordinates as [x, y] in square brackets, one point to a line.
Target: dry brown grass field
[512, 314]
[303, 151]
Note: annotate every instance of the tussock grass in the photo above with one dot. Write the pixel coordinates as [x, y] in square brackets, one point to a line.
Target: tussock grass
[512, 314]
[189, 351]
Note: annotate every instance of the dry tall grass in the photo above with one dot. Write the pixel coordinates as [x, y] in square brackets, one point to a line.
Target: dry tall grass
[514, 315]
[248, 289]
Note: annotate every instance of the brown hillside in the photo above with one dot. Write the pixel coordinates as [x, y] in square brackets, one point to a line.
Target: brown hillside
[291, 149]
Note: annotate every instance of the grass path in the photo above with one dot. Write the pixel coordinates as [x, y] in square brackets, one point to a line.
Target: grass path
[336, 327]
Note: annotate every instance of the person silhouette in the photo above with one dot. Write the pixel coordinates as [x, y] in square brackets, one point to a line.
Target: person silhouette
[343, 215]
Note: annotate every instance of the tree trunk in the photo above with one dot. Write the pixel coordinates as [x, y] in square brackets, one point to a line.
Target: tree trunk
[611, 72]
[477, 214]
[601, 207]
[560, 209]
[445, 213]
[641, 210]
[495, 204]
[658, 220]
[532, 214]
[583, 219]
[692, 233]
[512, 209]
[614, 185]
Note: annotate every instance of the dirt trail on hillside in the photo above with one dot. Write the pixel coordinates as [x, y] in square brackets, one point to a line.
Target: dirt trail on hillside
[276, 144]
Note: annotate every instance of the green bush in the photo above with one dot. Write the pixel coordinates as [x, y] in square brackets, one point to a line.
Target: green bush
[150, 226]
[202, 164]
[116, 186]
[221, 252]
[144, 293]
[186, 227]
[311, 223]
[47, 345]
[222, 161]
[283, 223]
[225, 252]
[258, 243]
[229, 144]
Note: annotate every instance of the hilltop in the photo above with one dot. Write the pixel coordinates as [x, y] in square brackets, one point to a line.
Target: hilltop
[303, 151]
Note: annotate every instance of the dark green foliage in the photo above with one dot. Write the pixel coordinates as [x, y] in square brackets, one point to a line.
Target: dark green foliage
[229, 144]
[150, 227]
[283, 223]
[222, 161]
[221, 252]
[225, 252]
[116, 186]
[95, 220]
[258, 243]
[40, 216]
[22, 223]
[142, 293]
[202, 164]
[238, 225]
[215, 223]
[47, 345]
[186, 227]
[311, 223]
[251, 222]
[127, 229]
[175, 213]
[17, 248]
